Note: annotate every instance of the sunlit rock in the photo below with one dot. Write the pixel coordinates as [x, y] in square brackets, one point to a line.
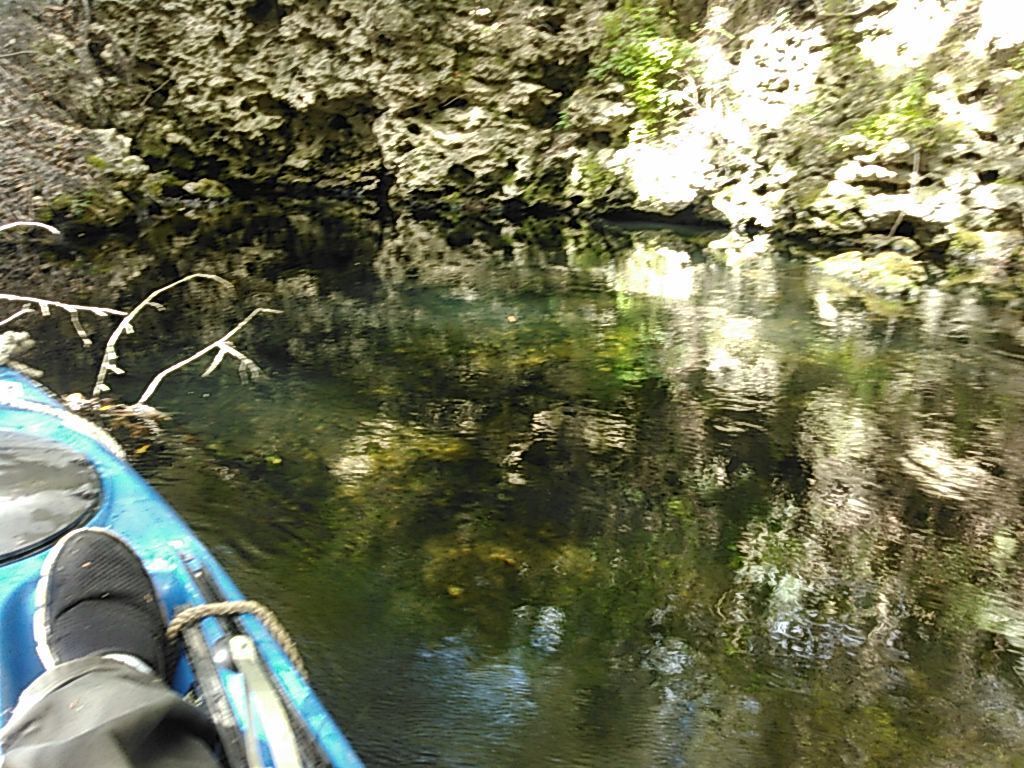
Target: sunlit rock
[856, 170]
[888, 272]
[904, 37]
[668, 174]
[1000, 29]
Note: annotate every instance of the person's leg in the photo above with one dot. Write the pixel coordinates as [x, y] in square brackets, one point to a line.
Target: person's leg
[96, 711]
[102, 700]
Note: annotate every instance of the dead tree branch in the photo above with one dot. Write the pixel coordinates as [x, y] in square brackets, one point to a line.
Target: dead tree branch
[109, 362]
[47, 305]
[224, 349]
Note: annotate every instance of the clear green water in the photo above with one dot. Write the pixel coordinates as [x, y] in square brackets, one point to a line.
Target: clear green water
[605, 513]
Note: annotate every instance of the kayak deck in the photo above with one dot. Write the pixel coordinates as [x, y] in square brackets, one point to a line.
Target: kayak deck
[183, 570]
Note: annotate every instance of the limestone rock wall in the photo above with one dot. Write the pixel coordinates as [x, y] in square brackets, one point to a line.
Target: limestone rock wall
[855, 122]
[831, 121]
[404, 98]
[51, 160]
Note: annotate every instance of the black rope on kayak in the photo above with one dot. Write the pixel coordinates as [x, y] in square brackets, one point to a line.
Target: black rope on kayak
[195, 613]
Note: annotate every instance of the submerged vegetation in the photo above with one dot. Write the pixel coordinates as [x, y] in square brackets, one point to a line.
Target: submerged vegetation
[612, 498]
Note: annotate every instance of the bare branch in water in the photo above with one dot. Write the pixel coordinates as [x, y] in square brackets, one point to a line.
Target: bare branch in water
[16, 315]
[223, 347]
[109, 362]
[41, 225]
[47, 305]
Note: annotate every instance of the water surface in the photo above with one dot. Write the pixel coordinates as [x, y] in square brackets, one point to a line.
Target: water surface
[626, 508]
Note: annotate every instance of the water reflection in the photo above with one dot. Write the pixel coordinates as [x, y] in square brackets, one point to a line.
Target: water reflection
[613, 502]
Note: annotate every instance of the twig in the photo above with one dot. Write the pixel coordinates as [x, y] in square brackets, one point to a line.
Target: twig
[108, 363]
[223, 349]
[154, 91]
[13, 224]
[8, 54]
[47, 305]
[222, 346]
[16, 315]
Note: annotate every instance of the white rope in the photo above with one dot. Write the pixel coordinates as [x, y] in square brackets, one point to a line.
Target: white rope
[194, 613]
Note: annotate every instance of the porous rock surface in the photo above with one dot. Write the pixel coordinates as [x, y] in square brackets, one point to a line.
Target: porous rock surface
[849, 122]
[402, 98]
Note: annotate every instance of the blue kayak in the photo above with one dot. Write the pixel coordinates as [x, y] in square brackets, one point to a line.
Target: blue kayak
[58, 472]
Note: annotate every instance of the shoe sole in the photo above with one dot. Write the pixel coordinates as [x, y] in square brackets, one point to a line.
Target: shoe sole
[40, 627]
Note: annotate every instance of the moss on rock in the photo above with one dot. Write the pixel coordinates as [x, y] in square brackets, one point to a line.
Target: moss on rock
[889, 273]
[641, 49]
[908, 115]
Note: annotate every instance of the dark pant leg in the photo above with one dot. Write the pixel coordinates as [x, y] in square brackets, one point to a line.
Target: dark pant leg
[100, 713]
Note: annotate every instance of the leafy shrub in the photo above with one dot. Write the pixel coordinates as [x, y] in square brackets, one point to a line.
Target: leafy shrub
[907, 115]
[640, 49]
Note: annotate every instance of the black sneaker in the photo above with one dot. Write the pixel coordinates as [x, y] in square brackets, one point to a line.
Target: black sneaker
[94, 598]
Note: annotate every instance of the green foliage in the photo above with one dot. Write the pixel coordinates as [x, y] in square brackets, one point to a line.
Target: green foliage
[965, 243]
[641, 50]
[94, 207]
[97, 162]
[907, 115]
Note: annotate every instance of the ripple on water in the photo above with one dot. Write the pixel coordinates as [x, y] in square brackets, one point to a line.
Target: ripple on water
[499, 512]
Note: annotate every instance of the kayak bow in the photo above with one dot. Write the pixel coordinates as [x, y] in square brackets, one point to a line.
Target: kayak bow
[58, 472]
